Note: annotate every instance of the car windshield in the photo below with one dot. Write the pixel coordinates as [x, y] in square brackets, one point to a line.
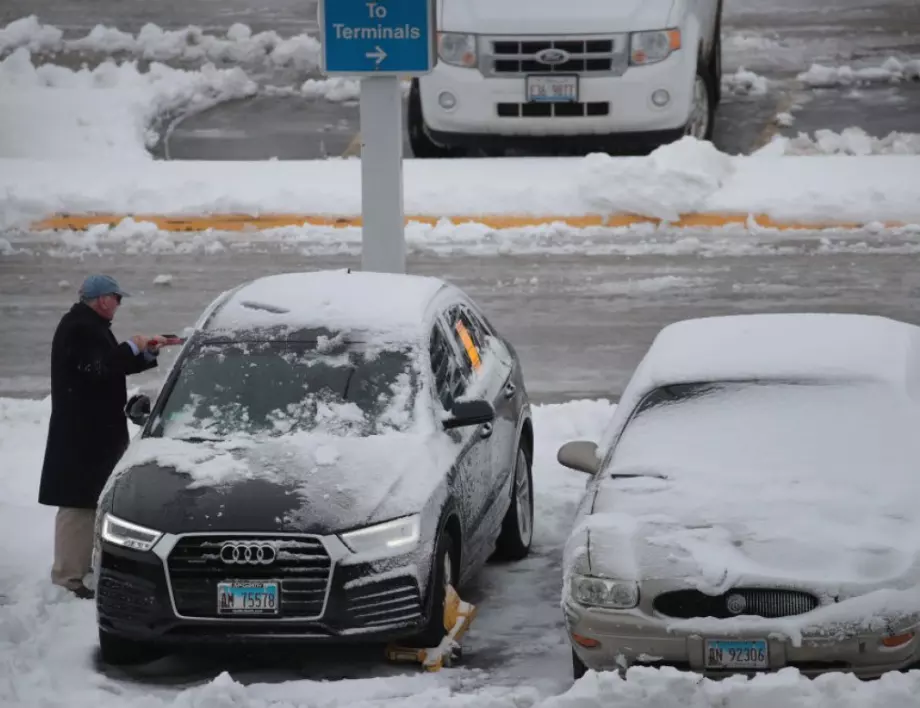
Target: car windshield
[276, 388]
[769, 429]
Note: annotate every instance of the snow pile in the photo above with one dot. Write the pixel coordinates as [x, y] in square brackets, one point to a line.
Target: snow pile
[745, 83]
[893, 70]
[336, 89]
[113, 110]
[675, 179]
[851, 141]
[152, 42]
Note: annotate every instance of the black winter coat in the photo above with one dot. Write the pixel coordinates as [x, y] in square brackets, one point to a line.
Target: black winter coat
[88, 432]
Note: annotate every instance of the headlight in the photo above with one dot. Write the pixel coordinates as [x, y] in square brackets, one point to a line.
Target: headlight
[457, 49]
[652, 47]
[124, 533]
[397, 536]
[600, 592]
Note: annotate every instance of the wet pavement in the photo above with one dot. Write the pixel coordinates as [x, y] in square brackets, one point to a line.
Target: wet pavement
[580, 322]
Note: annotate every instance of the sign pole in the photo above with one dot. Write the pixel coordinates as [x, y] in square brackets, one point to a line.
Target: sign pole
[380, 42]
[383, 222]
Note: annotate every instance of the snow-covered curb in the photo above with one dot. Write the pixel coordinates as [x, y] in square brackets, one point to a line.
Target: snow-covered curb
[152, 42]
[686, 177]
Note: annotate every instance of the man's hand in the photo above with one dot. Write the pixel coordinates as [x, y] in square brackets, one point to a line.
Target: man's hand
[155, 342]
[140, 341]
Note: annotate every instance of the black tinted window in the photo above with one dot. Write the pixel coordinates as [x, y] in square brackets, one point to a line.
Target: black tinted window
[276, 388]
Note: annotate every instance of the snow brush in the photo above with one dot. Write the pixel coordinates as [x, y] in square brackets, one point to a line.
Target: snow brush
[173, 340]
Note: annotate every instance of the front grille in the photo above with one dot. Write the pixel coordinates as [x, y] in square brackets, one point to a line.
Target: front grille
[769, 603]
[552, 110]
[123, 598]
[302, 566]
[386, 601]
[510, 56]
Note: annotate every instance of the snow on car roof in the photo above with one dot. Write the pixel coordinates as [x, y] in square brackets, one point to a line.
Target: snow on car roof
[777, 346]
[391, 305]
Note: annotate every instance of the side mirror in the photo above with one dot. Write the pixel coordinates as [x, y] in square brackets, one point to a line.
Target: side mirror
[580, 455]
[138, 409]
[469, 413]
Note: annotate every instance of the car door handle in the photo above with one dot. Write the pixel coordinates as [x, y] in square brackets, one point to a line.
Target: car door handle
[486, 430]
[509, 390]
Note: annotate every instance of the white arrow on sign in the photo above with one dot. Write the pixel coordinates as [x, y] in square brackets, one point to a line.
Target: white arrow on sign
[379, 55]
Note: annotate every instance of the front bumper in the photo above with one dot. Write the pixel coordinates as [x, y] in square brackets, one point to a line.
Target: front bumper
[633, 638]
[152, 597]
[491, 106]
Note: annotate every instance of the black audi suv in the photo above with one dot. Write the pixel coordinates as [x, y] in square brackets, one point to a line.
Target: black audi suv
[329, 451]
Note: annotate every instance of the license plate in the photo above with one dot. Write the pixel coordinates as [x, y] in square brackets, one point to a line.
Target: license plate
[243, 597]
[552, 89]
[737, 654]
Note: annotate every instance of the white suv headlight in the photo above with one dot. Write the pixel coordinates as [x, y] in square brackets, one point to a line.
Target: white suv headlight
[124, 533]
[396, 536]
[601, 592]
[457, 49]
[652, 47]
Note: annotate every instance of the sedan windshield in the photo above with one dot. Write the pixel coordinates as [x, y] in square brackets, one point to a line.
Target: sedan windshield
[276, 388]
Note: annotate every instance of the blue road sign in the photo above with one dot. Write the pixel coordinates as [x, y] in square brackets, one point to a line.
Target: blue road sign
[378, 37]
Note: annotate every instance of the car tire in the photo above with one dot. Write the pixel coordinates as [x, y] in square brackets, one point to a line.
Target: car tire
[118, 651]
[578, 666]
[516, 535]
[705, 85]
[420, 144]
[446, 571]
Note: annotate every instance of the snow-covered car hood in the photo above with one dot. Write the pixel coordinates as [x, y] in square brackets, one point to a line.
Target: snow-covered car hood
[793, 484]
[305, 483]
[552, 16]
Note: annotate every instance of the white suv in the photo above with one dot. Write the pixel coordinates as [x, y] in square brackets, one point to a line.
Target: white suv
[556, 74]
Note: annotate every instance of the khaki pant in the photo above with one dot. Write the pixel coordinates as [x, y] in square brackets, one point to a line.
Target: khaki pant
[73, 546]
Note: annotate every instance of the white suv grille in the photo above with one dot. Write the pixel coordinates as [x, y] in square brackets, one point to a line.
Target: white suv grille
[517, 56]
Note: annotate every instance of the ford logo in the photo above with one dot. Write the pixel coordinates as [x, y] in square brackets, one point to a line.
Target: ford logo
[552, 56]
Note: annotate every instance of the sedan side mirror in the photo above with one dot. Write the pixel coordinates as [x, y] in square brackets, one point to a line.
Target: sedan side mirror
[138, 409]
[469, 413]
[580, 455]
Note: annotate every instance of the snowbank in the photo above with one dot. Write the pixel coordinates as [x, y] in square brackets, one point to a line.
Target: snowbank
[113, 110]
[680, 178]
[239, 46]
[893, 70]
[851, 141]
[47, 639]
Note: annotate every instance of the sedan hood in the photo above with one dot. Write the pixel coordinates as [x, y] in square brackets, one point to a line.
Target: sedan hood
[649, 528]
[515, 17]
[304, 484]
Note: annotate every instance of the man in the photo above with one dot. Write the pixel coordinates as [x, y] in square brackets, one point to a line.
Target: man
[88, 432]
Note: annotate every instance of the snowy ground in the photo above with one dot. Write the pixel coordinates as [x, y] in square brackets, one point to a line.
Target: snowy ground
[515, 656]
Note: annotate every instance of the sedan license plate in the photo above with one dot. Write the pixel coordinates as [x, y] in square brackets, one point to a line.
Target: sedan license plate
[737, 654]
[552, 89]
[242, 597]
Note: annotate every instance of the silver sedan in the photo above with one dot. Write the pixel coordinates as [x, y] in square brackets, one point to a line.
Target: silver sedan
[753, 504]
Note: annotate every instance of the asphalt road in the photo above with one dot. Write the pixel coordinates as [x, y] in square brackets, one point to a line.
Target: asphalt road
[580, 323]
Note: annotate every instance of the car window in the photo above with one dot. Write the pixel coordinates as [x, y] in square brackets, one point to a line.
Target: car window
[450, 380]
[469, 334]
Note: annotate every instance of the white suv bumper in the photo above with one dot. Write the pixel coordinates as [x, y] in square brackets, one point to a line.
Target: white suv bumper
[607, 104]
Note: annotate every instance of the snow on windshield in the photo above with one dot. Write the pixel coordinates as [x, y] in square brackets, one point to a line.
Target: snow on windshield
[278, 388]
[796, 481]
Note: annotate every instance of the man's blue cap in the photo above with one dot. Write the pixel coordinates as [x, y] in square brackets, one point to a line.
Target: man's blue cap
[99, 285]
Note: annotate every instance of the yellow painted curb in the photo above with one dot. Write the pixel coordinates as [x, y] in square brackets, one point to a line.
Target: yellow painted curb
[249, 222]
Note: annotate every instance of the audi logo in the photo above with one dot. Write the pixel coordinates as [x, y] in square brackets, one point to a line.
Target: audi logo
[243, 553]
